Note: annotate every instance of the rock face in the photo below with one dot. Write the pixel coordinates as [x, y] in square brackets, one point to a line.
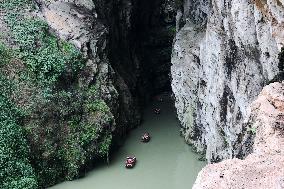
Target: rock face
[264, 167]
[77, 104]
[78, 23]
[154, 27]
[223, 55]
[140, 40]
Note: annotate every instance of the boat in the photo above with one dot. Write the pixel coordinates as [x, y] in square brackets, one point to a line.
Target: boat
[130, 161]
[145, 137]
[157, 110]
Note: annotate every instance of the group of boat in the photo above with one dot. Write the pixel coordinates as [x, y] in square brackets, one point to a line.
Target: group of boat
[131, 160]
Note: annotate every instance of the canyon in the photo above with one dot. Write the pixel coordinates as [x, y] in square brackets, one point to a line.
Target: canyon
[97, 63]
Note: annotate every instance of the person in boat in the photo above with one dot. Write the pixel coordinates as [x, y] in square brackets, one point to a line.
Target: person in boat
[145, 137]
[157, 110]
[130, 162]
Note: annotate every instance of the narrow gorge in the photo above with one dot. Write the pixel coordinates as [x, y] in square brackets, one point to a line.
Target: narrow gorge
[76, 77]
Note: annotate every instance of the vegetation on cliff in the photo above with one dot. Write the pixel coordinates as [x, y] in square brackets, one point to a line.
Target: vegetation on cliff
[15, 169]
[53, 126]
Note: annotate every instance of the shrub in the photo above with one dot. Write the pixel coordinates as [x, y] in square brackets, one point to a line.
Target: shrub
[16, 171]
[5, 54]
[44, 55]
[252, 130]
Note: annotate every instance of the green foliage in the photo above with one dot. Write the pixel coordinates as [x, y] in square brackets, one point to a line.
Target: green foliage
[73, 157]
[43, 54]
[88, 133]
[6, 86]
[73, 133]
[252, 130]
[104, 145]
[66, 126]
[89, 137]
[14, 5]
[98, 105]
[5, 54]
[15, 169]
[172, 30]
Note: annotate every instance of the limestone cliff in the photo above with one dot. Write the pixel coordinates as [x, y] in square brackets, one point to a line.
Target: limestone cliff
[83, 70]
[82, 23]
[224, 53]
[264, 167]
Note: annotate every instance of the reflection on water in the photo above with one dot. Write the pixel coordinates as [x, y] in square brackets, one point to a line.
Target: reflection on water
[166, 162]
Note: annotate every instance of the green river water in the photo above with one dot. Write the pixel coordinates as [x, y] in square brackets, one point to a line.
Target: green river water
[166, 162]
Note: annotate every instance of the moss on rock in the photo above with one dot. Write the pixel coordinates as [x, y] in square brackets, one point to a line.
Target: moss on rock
[65, 125]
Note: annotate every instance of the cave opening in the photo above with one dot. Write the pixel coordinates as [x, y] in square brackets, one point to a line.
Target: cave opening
[154, 29]
[141, 39]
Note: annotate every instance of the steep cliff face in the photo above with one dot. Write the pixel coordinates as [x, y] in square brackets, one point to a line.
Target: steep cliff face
[77, 23]
[127, 43]
[263, 168]
[59, 77]
[223, 55]
[140, 40]
[84, 69]
[83, 24]
[154, 27]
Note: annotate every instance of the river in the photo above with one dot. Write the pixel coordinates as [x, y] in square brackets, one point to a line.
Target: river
[166, 162]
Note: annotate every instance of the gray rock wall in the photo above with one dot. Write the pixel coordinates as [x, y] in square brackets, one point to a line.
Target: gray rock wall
[127, 44]
[263, 168]
[80, 23]
[223, 55]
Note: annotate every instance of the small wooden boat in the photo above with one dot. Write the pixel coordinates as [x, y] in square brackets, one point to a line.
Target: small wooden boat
[157, 110]
[130, 162]
[145, 137]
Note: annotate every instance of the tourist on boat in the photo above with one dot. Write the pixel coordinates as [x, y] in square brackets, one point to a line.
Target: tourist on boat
[145, 137]
[130, 162]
